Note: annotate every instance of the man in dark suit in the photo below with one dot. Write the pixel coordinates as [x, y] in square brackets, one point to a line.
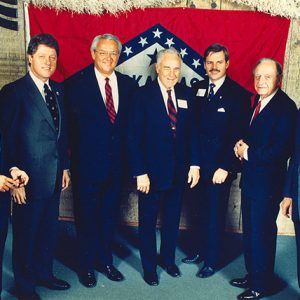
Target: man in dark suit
[223, 109]
[290, 205]
[97, 103]
[161, 148]
[264, 151]
[34, 139]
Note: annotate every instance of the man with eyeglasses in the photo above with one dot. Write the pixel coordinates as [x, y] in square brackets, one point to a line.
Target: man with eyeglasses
[97, 103]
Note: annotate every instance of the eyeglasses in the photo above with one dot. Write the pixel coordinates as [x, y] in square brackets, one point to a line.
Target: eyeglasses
[107, 53]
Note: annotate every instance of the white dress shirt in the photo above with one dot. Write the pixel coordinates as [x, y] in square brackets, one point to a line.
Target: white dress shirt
[218, 83]
[114, 87]
[165, 95]
[39, 83]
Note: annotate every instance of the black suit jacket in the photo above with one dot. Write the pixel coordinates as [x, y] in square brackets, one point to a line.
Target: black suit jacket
[98, 148]
[152, 147]
[30, 140]
[222, 122]
[270, 139]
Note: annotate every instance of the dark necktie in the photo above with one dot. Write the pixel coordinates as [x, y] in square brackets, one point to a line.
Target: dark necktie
[109, 102]
[172, 112]
[256, 111]
[52, 105]
[211, 91]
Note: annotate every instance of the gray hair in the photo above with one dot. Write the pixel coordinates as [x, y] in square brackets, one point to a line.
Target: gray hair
[162, 52]
[106, 36]
[277, 64]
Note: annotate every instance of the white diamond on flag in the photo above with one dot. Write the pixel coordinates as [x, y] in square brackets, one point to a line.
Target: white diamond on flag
[138, 56]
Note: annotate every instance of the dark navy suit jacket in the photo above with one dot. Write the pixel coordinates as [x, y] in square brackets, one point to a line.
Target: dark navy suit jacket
[292, 181]
[30, 140]
[152, 147]
[222, 122]
[270, 138]
[98, 148]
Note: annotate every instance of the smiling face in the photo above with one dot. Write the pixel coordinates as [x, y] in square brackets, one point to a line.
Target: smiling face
[43, 62]
[168, 69]
[265, 78]
[106, 56]
[216, 65]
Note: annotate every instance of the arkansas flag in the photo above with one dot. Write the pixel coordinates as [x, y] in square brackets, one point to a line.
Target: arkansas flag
[248, 35]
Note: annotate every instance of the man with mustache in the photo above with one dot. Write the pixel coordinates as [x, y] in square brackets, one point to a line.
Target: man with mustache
[223, 108]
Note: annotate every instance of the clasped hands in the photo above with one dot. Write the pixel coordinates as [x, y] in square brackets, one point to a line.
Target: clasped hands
[17, 190]
[239, 149]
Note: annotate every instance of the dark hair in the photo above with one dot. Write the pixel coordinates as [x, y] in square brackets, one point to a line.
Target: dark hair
[216, 48]
[277, 64]
[42, 39]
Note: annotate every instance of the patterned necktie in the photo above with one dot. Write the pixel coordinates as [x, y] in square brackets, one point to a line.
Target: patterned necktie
[211, 91]
[109, 102]
[172, 112]
[256, 111]
[52, 105]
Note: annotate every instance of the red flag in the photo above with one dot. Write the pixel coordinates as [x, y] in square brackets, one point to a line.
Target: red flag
[248, 35]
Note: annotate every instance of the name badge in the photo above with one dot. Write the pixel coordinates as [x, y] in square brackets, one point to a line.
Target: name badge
[182, 103]
[201, 92]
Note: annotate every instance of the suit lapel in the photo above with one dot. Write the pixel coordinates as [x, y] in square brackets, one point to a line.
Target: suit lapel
[37, 99]
[161, 106]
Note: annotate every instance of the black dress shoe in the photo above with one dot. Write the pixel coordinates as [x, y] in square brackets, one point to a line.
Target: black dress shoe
[55, 284]
[151, 278]
[26, 296]
[111, 273]
[193, 259]
[173, 270]
[250, 295]
[205, 272]
[241, 282]
[88, 279]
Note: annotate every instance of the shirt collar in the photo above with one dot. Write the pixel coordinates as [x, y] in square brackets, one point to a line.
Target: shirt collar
[267, 99]
[39, 83]
[101, 77]
[163, 88]
[218, 82]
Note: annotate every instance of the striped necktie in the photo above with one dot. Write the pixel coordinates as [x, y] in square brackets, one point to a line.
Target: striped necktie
[172, 112]
[109, 102]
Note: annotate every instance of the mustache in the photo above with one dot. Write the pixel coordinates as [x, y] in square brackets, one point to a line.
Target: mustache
[214, 70]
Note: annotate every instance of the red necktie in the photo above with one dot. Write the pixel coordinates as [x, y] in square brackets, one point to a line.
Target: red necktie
[256, 111]
[172, 111]
[109, 102]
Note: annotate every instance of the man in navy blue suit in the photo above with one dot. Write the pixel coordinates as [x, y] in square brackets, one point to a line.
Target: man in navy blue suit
[97, 102]
[162, 148]
[223, 109]
[264, 151]
[290, 205]
[34, 139]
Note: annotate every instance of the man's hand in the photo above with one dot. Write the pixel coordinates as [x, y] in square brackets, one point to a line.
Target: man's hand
[18, 195]
[239, 149]
[143, 183]
[19, 176]
[65, 180]
[220, 176]
[193, 176]
[286, 207]
[6, 183]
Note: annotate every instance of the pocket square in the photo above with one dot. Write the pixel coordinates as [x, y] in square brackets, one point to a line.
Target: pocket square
[221, 109]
